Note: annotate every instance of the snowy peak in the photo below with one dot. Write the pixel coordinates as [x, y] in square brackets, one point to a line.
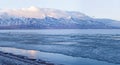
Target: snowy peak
[36, 12]
[46, 18]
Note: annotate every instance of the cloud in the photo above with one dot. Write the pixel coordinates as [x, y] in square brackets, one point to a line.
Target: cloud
[31, 12]
[32, 8]
[36, 12]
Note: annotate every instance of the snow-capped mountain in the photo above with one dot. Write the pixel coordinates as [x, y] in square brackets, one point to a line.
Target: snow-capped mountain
[37, 18]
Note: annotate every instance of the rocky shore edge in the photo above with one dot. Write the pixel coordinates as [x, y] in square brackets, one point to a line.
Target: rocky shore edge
[11, 59]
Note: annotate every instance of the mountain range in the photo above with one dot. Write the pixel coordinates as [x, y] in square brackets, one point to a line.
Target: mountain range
[46, 18]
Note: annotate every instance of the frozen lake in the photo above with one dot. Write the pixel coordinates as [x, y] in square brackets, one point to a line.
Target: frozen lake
[65, 46]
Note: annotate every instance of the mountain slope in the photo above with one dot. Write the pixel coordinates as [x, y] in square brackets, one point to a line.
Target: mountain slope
[45, 18]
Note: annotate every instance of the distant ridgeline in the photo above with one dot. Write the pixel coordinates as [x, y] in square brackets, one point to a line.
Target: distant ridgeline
[45, 18]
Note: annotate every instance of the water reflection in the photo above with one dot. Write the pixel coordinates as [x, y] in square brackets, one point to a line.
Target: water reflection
[28, 53]
[32, 54]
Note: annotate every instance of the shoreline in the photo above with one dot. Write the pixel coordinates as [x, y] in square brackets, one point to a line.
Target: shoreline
[8, 58]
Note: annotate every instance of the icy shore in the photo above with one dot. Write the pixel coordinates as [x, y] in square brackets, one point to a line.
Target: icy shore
[11, 59]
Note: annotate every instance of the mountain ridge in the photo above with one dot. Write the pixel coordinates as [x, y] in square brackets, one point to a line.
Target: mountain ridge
[37, 18]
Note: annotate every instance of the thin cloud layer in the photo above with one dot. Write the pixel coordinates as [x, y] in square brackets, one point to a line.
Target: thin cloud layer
[36, 12]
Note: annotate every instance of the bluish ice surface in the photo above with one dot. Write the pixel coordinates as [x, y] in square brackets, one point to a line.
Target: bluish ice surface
[54, 57]
[68, 46]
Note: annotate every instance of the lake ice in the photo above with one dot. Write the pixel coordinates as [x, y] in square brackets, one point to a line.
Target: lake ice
[86, 47]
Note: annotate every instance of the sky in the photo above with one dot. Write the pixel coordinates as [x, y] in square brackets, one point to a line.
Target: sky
[94, 8]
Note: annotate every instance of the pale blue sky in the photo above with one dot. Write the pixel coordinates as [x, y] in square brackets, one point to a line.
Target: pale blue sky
[93, 8]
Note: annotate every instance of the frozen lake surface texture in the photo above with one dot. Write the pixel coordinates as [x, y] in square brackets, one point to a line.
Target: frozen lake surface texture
[64, 46]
